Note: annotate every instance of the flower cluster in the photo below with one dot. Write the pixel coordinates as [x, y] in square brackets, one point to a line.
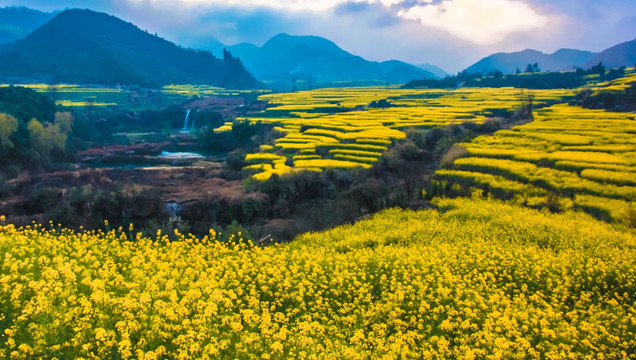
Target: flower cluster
[474, 279]
[586, 156]
[335, 126]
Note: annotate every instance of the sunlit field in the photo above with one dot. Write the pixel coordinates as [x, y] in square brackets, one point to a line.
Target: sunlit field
[473, 279]
[338, 128]
[538, 276]
[619, 84]
[131, 99]
[196, 182]
[577, 157]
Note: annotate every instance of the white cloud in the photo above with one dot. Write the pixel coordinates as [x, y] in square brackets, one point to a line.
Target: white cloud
[389, 2]
[482, 22]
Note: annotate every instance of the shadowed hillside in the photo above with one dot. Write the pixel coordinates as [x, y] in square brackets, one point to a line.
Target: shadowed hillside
[623, 54]
[314, 59]
[82, 46]
[18, 22]
[508, 63]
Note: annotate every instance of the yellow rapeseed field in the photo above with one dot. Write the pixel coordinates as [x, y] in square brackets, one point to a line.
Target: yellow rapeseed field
[328, 119]
[473, 279]
[586, 157]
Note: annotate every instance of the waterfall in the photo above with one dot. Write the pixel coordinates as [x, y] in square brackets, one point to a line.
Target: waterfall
[185, 123]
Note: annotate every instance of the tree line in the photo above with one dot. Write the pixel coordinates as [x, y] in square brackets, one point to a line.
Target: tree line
[32, 131]
[531, 78]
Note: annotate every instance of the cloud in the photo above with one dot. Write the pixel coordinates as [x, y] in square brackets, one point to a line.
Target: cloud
[481, 22]
[351, 7]
[290, 5]
[450, 33]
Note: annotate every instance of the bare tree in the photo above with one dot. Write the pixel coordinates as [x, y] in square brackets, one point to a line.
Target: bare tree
[527, 104]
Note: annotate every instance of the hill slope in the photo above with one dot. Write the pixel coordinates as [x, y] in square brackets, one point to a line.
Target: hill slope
[435, 70]
[303, 57]
[623, 54]
[473, 277]
[82, 46]
[18, 22]
[508, 63]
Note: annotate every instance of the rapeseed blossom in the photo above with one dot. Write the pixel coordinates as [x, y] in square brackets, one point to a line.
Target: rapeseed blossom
[472, 279]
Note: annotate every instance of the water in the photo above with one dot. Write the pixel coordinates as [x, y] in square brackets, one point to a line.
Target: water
[180, 155]
[173, 208]
[166, 157]
[185, 122]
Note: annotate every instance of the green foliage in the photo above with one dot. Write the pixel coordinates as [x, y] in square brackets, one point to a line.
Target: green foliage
[64, 121]
[251, 209]
[46, 139]
[234, 161]
[243, 134]
[532, 78]
[18, 105]
[609, 100]
[110, 51]
[8, 126]
[24, 104]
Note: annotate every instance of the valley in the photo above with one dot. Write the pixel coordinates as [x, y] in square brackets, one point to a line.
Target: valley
[295, 200]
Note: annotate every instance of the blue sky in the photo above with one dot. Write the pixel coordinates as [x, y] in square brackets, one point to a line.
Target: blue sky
[451, 34]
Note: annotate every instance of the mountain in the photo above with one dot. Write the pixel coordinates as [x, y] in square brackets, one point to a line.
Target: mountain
[438, 72]
[18, 22]
[508, 63]
[83, 46]
[285, 58]
[623, 54]
[211, 44]
[243, 50]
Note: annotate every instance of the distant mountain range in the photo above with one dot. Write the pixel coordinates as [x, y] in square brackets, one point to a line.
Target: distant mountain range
[508, 63]
[284, 58]
[438, 72]
[83, 46]
[108, 50]
[623, 54]
[18, 22]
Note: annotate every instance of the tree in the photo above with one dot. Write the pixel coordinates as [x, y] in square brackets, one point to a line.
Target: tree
[599, 69]
[527, 103]
[8, 125]
[64, 120]
[529, 68]
[44, 139]
[37, 137]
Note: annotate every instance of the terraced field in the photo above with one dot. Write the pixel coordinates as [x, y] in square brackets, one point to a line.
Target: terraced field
[129, 99]
[341, 128]
[579, 157]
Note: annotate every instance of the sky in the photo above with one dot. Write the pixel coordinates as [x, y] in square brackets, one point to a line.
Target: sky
[451, 34]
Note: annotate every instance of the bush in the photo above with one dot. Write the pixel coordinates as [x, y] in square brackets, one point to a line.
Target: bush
[490, 126]
[455, 152]
[235, 161]
[42, 200]
[417, 136]
[251, 209]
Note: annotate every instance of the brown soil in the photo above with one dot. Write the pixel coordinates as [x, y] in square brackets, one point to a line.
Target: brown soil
[184, 185]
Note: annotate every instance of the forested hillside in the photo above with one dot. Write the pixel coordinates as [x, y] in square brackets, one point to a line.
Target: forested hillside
[87, 47]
